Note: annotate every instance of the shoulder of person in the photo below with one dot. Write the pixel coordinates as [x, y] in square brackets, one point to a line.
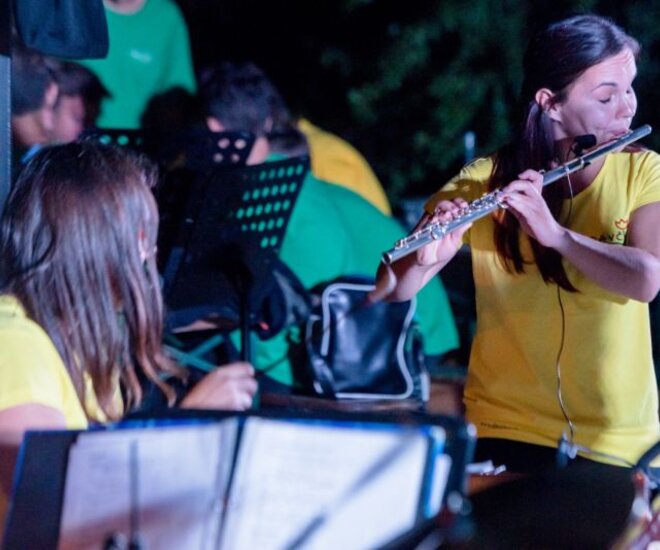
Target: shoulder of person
[641, 161]
[168, 9]
[470, 183]
[21, 334]
[479, 169]
[31, 369]
[646, 156]
[347, 200]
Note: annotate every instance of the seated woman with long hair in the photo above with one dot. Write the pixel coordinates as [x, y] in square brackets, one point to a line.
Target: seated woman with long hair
[81, 313]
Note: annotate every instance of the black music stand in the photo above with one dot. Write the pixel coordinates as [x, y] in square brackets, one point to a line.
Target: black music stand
[233, 226]
[33, 520]
[184, 158]
[122, 137]
[204, 150]
[195, 149]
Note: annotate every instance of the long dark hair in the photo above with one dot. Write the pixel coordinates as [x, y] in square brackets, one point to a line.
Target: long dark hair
[70, 252]
[554, 59]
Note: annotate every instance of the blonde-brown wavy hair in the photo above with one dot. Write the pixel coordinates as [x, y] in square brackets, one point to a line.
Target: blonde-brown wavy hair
[77, 247]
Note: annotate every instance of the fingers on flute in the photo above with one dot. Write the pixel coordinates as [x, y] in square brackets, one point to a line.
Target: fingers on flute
[423, 221]
[530, 175]
[519, 202]
[518, 188]
[534, 177]
[447, 210]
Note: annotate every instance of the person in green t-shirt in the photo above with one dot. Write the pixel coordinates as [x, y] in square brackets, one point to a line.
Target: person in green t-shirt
[332, 231]
[149, 54]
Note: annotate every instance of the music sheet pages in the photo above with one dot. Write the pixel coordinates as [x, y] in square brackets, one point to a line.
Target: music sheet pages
[322, 486]
[303, 484]
[173, 477]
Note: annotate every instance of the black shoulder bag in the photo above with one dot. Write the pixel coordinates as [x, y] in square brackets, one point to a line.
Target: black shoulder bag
[356, 349]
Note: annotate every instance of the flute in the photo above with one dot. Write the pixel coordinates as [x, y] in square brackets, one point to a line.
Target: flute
[493, 200]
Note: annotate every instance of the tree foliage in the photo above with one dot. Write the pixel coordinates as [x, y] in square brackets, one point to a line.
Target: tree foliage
[449, 69]
[404, 81]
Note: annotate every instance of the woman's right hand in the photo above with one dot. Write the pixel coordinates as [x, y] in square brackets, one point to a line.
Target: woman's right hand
[442, 250]
[229, 387]
[404, 278]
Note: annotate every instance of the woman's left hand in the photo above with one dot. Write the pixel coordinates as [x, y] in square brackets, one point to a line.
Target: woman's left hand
[524, 200]
[230, 387]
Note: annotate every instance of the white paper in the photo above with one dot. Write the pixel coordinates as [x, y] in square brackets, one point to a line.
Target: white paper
[318, 484]
[290, 474]
[181, 475]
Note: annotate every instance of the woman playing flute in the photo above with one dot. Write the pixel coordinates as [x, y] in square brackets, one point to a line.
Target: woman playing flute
[563, 274]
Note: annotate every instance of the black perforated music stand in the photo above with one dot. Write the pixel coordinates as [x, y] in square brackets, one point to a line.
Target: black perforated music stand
[232, 230]
[185, 156]
[198, 147]
[205, 150]
[122, 137]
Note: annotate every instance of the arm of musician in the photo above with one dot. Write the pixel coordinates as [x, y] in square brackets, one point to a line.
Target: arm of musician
[230, 387]
[403, 279]
[14, 422]
[632, 270]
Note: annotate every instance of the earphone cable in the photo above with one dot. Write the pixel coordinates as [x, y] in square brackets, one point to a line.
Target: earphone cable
[571, 448]
[560, 396]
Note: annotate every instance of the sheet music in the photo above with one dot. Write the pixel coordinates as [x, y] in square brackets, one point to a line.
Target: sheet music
[182, 475]
[290, 474]
[308, 484]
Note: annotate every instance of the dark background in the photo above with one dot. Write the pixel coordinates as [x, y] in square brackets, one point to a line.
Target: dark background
[404, 81]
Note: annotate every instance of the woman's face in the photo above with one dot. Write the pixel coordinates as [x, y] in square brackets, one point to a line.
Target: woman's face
[69, 118]
[601, 101]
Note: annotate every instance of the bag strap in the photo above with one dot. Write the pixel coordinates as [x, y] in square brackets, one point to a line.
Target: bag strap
[324, 381]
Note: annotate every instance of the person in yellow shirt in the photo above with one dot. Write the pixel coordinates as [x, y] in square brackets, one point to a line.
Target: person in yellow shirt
[563, 274]
[80, 301]
[337, 161]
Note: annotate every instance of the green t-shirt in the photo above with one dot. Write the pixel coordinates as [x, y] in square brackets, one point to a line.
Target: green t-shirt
[149, 53]
[333, 232]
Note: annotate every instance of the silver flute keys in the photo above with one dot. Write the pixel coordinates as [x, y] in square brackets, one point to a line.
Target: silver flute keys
[493, 200]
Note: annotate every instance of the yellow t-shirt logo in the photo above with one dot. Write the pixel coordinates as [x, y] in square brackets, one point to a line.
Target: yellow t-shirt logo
[618, 235]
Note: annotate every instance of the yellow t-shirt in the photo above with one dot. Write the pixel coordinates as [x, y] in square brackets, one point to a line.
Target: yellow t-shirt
[337, 161]
[607, 377]
[32, 371]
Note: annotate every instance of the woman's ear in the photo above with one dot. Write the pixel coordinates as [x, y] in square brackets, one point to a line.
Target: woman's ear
[546, 100]
[144, 249]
